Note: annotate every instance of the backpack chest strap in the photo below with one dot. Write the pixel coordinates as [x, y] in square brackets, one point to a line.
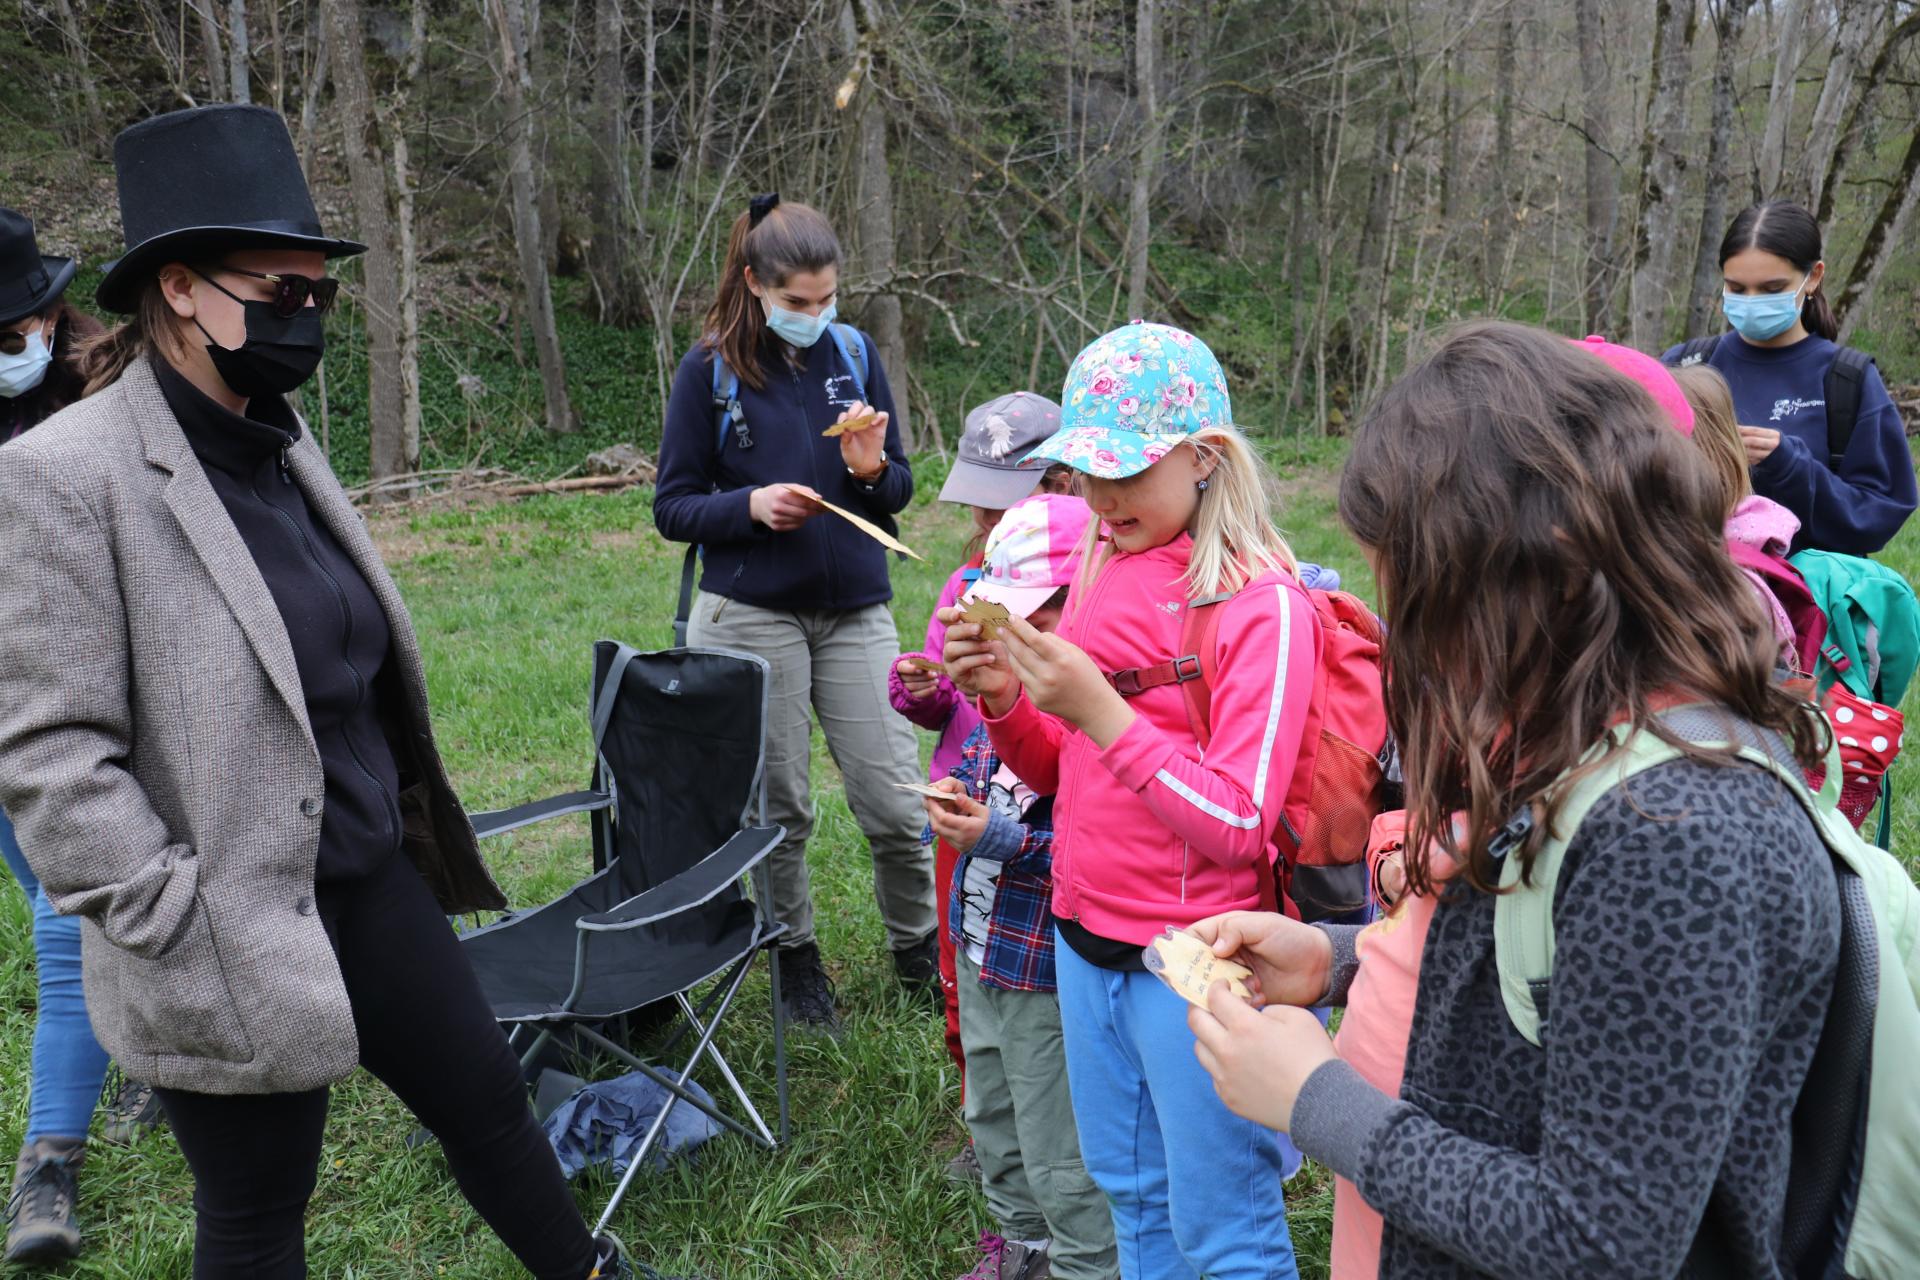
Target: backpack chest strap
[1130, 681]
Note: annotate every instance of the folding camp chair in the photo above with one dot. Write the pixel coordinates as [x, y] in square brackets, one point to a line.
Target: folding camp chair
[679, 819]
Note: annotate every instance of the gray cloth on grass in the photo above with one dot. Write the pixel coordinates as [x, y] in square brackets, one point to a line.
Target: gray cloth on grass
[606, 1121]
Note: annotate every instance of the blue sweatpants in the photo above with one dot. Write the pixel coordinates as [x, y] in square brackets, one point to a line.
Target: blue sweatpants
[69, 1066]
[1195, 1189]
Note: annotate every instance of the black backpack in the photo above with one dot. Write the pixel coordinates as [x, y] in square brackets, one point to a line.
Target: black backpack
[1845, 378]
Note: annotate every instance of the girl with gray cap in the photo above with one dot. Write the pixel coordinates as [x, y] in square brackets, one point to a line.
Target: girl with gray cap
[986, 479]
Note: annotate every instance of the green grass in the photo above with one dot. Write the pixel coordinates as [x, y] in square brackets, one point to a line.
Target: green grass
[507, 600]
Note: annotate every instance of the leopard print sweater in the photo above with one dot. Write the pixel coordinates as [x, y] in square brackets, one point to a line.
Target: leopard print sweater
[1697, 932]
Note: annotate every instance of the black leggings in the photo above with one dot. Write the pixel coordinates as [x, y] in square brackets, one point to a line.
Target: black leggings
[428, 1033]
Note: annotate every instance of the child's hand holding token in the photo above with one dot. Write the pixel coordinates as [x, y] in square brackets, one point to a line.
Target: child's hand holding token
[1259, 1058]
[1289, 960]
[919, 675]
[1060, 678]
[977, 666]
[960, 820]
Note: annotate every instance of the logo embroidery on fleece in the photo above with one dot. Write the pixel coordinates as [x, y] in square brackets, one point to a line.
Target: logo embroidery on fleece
[1170, 606]
[1784, 408]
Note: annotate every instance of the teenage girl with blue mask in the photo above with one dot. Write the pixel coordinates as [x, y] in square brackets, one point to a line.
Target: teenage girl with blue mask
[744, 450]
[1780, 361]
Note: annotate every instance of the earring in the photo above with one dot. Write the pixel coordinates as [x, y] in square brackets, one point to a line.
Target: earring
[1201, 485]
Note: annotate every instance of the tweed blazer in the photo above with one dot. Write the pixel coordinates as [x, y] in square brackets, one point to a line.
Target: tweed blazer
[155, 754]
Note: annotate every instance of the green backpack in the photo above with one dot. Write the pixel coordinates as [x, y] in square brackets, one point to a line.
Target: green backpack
[1853, 1201]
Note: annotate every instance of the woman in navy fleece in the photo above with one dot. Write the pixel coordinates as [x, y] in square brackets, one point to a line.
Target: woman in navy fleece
[1777, 366]
[801, 588]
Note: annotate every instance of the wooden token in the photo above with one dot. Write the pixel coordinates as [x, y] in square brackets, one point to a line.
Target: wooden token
[1189, 966]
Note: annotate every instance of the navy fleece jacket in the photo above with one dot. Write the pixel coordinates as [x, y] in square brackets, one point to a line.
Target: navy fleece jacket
[705, 482]
[1856, 510]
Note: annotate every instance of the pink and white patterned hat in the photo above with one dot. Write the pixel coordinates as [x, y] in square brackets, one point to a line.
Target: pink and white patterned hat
[1032, 552]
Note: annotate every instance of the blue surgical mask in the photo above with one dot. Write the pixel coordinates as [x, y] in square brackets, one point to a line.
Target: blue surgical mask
[797, 327]
[22, 373]
[1760, 316]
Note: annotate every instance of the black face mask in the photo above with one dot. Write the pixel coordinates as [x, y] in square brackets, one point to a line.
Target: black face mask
[280, 352]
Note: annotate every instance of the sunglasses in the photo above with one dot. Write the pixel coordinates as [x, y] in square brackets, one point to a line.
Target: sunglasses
[13, 341]
[290, 292]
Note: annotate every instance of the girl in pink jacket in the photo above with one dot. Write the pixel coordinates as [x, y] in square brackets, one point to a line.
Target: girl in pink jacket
[1149, 831]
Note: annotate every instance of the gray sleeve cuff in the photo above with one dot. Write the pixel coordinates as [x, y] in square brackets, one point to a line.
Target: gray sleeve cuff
[1336, 1116]
[1345, 963]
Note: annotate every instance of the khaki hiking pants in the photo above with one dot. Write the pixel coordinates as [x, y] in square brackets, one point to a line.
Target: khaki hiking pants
[833, 664]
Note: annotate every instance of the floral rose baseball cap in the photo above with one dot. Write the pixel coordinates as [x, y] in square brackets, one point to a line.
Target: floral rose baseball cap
[1133, 395]
[1032, 552]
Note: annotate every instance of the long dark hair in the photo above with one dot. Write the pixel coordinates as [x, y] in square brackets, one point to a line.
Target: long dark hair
[1550, 563]
[776, 240]
[1785, 230]
[63, 383]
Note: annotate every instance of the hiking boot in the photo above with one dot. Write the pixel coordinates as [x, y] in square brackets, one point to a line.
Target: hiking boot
[609, 1260]
[1004, 1259]
[40, 1225]
[964, 1168]
[919, 968]
[806, 992]
[131, 1114]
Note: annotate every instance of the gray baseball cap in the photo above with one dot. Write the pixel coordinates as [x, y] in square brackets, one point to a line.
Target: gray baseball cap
[987, 472]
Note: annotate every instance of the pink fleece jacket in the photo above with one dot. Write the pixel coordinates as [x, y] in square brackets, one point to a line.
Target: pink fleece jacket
[943, 711]
[1765, 525]
[1145, 834]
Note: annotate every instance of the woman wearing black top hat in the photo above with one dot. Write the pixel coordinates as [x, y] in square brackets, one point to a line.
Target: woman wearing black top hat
[38, 375]
[215, 730]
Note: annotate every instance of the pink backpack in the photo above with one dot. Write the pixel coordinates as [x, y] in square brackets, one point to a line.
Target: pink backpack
[1338, 782]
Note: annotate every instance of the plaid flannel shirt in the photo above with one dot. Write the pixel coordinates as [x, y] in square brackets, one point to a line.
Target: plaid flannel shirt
[1019, 950]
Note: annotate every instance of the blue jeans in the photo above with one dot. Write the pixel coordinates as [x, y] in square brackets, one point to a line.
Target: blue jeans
[69, 1066]
[1195, 1190]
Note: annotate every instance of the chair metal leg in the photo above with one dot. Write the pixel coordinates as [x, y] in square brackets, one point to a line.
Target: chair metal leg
[660, 1120]
[733, 1082]
[779, 1043]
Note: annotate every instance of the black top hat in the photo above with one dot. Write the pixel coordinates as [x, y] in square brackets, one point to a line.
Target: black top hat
[28, 281]
[204, 181]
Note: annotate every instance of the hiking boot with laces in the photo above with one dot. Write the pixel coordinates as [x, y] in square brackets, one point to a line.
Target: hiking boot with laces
[964, 1169]
[40, 1224]
[1004, 1259]
[806, 992]
[131, 1113]
[919, 968]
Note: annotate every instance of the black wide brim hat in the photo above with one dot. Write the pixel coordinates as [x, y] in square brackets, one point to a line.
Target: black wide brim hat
[30, 281]
[198, 183]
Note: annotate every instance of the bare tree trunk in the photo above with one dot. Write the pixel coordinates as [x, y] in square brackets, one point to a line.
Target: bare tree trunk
[217, 76]
[403, 189]
[1662, 161]
[240, 48]
[609, 263]
[1858, 18]
[1500, 217]
[279, 57]
[1786, 62]
[77, 56]
[316, 86]
[516, 92]
[1729, 19]
[1450, 176]
[873, 239]
[1146, 93]
[648, 71]
[1848, 143]
[1603, 179]
[379, 294]
[704, 145]
[1851, 302]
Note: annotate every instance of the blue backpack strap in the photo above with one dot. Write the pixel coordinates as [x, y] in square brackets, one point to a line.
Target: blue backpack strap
[726, 404]
[853, 350]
